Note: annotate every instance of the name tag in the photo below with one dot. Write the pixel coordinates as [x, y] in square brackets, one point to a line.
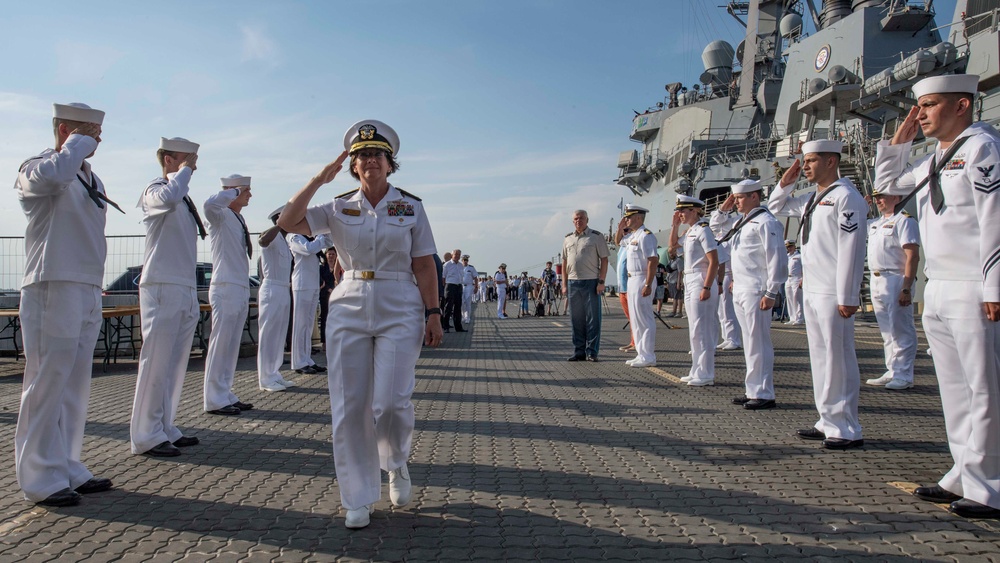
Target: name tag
[351, 212]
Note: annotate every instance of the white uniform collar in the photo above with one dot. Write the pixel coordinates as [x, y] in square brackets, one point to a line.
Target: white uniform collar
[391, 195]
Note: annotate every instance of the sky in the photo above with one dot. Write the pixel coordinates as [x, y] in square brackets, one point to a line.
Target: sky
[511, 114]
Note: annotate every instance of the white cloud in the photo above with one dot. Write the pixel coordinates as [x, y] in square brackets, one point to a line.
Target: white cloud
[83, 63]
[258, 46]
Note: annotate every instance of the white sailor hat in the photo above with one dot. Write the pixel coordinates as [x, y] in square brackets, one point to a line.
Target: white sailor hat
[789, 242]
[822, 145]
[178, 144]
[631, 209]
[949, 84]
[746, 186]
[274, 214]
[235, 180]
[78, 112]
[369, 133]
[687, 202]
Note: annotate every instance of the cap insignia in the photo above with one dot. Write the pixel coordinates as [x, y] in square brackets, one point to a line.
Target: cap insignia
[367, 132]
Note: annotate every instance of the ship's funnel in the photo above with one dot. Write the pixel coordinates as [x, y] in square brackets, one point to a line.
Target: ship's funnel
[834, 11]
[790, 26]
[718, 60]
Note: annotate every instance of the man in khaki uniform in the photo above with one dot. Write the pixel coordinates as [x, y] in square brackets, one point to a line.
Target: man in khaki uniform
[585, 263]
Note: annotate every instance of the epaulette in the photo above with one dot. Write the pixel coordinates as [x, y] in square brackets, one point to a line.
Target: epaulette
[647, 231]
[569, 234]
[702, 223]
[596, 232]
[345, 194]
[905, 214]
[409, 195]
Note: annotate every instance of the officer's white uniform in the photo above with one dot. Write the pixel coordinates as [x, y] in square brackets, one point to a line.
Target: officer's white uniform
[274, 299]
[641, 246]
[832, 264]
[469, 275]
[732, 337]
[962, 249]
[703, 329]
[500, 279]
[60, 314]
[373, 347]
[886, 260]
[229, 295]
[305, 295]
[760, 267]
[168, 299]
[793, 289]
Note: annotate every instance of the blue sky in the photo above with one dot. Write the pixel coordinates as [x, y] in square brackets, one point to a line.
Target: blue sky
[511, 114]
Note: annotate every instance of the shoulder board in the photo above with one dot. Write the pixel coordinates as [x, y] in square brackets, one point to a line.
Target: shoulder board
[702, 223]
[25, 163]
[905, 214]
[569, 234]
[409, 195]
[346, 194]
[647, 231]
[596, 232]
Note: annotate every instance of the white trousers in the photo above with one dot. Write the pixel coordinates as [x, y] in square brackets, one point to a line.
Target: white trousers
[230, 305]
[169, 318]
[304, 311]
[758, 351]
[965, 348]
[793, 300]
[60, 322]
[274, 299]
[728, 321]
[895, 322]
[501, 299]
[835, 373]
[467, 292]
[372, 353]
[642, 321]
[703, 326]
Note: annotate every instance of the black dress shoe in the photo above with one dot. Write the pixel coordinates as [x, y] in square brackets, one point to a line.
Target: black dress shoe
[319, 369]
[243, 406]
[972, 509]
[741, 400]
[842, 443]
[756, 404]
[63, 497]
[460, 330]
[810, 434]
[163, 449]
[308, 370]
[935, 493]
[576, 358]
[228, 410]
[591, 358]
[94, 485]
[185, 441]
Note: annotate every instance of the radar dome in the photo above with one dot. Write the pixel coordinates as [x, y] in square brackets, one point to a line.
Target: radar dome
[718, 54]
[791, 25]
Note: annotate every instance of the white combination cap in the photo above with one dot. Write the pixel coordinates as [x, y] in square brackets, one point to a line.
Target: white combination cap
[632, 209]
[823, 145]
[789, 242]
[949, 84]
[78, 112]
[746, 186]
[274, 214]
[235, 180]
[687, 202]
[369, 133]
[178, 144]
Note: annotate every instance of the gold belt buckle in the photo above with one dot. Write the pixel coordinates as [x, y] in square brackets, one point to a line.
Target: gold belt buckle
[876, 273]
[367, 275]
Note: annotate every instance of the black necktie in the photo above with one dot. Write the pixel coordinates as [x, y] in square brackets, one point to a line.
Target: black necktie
[933, 179]
[739, 224]
[246, 235]
[96, 194]
[197, 218]
[814, 202]
[934, 186]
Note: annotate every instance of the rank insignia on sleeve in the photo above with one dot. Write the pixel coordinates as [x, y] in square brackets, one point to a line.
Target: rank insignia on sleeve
[986, 185]
[351, 212]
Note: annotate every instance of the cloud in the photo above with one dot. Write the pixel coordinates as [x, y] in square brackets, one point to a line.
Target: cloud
[83, 63]
[258, 46]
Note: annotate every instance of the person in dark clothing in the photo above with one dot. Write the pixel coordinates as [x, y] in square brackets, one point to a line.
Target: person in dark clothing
[327, 281]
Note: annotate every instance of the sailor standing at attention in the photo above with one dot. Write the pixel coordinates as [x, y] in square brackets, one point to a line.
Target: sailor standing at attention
[469, 287]
[386, 305]
[168, 300]
[793, 287]
[961, 235]
[760, 267]
[701, 294]
[229, 293]
[275, 300]
[305, 299]
[641, 263]
[893, 253]
[60, 312]
[732, 337]
[500, 279]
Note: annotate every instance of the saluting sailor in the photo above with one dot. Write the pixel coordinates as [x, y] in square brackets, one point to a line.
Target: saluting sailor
[893, 253]
[168, 299]
[275, 301]
[305, 298]
[833, 255]
[386, 305]
[229, 293]
[729, 324]
[470, 283]
[793, 287]
[961, 236]
[760, 268]
[65, 204]
[701, 294]
[641, 263]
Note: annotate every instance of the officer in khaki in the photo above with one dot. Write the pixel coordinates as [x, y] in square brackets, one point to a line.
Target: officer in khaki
[585, 263]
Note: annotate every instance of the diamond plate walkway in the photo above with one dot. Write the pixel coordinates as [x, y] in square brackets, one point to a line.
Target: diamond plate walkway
[518, 455]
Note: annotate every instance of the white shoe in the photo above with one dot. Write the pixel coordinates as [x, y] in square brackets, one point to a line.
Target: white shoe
[273, 387]
[686, 378]
[730, 346]
[701, 382]
[643, 364]
[399, 486]
[358, 518]
[286, 383]
[898, 384]
[632, 361]
[880, 380]
[689, 352]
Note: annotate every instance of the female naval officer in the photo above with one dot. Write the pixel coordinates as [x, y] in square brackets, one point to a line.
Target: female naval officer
[385, 307]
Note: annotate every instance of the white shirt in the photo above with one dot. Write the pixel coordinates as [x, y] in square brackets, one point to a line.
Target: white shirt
[795, 265]
[886, 237]
[64, 240]
[171, 231]
[469, 275]
[230, 263]
[276, 263]
[759, 258]
[305, 275]
[698, 242]
[385, 238]
[500, 278]
[640, 246]
[452, 272]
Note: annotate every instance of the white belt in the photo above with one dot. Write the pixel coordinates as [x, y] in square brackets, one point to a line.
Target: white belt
[371, 275]
[276, 283]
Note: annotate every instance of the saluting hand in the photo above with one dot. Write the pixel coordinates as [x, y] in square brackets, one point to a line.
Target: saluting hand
[191, 161]
[331, 170]
[909, 128]
[729, 204]
[792, 174]
[91, 130]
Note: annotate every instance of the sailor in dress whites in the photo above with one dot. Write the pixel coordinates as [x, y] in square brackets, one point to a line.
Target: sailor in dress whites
[305, 298]
[470, 283]
[893, 253]
[168, 299]
[961, 236]
[386, 305]
[229, 293]
[60, 309]
[732, 337]
[760, 268]
[793, 287]
[701, 293]
[833, 256]
[275, 301]
[500, 280]
[641, 263]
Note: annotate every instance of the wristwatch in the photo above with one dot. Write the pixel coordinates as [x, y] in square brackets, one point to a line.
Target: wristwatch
[434, 311]
[906, 291]
[600, 281]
